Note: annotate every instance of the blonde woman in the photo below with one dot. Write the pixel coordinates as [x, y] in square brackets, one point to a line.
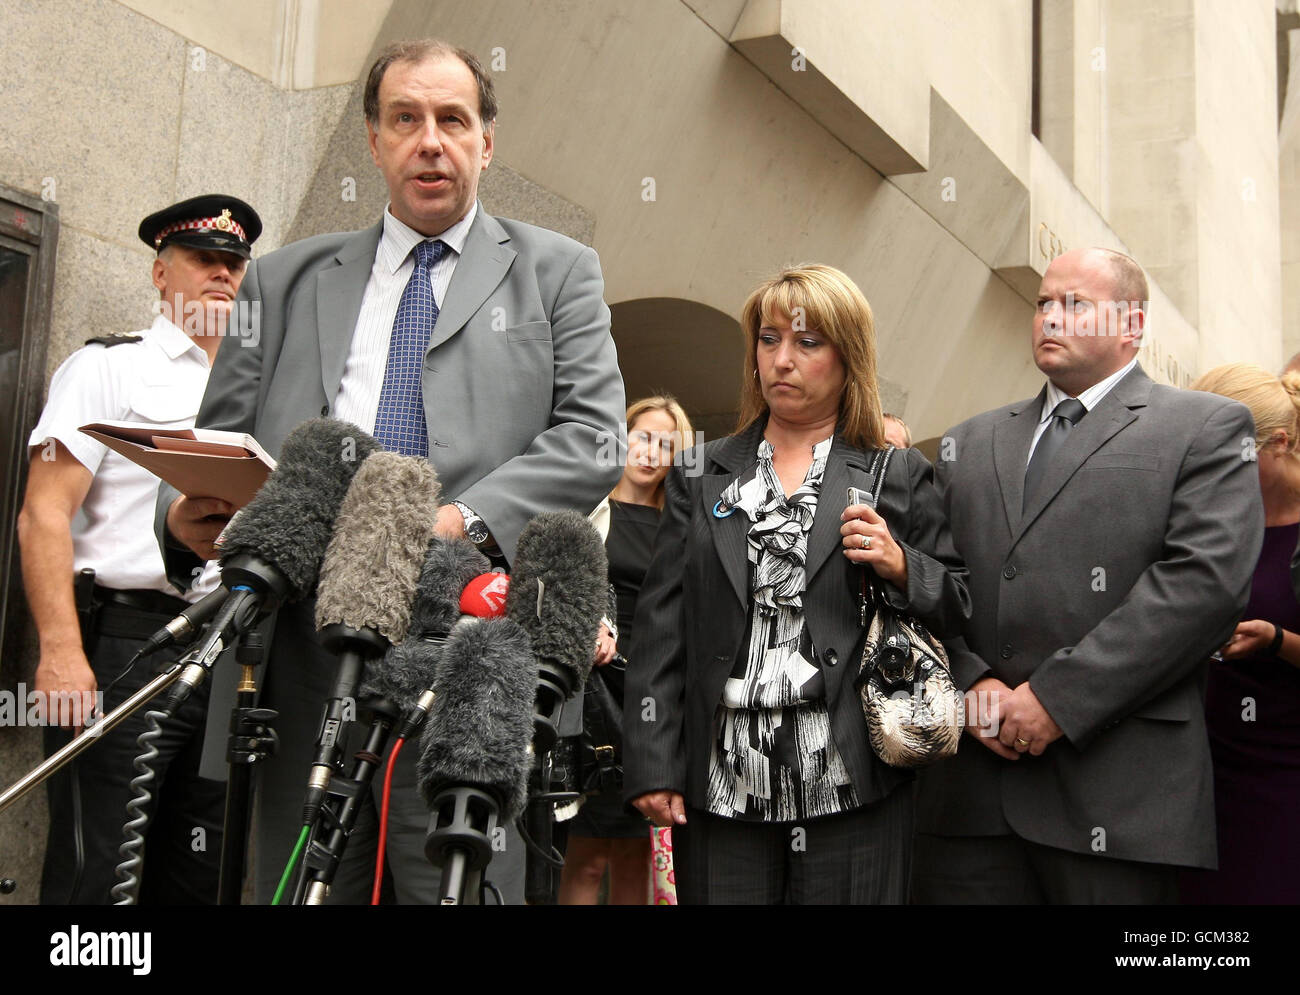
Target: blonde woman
[748, 736]
[1252, 700]
[603, 834]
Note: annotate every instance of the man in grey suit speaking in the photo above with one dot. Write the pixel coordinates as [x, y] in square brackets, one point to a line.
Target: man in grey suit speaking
[479, 342]
[1111, 526]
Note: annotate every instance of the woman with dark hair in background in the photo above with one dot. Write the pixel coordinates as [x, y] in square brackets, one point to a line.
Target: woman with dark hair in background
[1252, 699]
[745, 731]
[603, 834]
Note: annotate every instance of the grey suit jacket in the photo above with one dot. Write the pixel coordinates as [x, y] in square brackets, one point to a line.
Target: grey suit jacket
[1108, 594]
[520, 382]
[521, 385]
[692, 611]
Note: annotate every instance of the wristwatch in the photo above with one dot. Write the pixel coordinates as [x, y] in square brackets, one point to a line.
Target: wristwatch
[476, 530]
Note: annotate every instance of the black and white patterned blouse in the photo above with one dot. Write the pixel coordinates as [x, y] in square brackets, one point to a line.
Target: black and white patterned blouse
[773, 758]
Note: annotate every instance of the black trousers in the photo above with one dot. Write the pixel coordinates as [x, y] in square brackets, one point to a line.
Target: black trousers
[861, 857]
[1006, 870]
[182, 850]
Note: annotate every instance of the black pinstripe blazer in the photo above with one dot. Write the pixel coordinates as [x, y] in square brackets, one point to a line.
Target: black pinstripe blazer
[692, 611]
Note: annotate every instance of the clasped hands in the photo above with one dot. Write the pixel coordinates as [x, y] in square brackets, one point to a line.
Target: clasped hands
[1009, 721]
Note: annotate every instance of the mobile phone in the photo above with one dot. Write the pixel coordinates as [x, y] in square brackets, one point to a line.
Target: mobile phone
[856, 495]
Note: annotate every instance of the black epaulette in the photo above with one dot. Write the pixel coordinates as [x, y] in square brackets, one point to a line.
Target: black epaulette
[109, 341]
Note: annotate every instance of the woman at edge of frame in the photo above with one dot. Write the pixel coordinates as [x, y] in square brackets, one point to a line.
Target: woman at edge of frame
[603, 835]
[744, 729]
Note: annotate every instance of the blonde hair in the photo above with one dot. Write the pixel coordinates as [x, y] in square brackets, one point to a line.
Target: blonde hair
[1274, 401]
[684, 435]
[829, 303]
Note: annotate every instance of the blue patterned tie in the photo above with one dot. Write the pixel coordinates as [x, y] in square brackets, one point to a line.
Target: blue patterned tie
[399, 423]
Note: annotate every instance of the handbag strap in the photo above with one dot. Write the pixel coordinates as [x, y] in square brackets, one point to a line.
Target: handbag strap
[878, 466]
[867, 578]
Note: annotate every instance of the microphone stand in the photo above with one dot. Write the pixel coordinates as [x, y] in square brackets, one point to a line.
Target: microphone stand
[322, 859]
[251, 740]
[354, 647]
[537, 824]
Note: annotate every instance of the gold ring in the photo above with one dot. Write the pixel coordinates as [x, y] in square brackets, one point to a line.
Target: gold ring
[1022, 742]
[866, 542]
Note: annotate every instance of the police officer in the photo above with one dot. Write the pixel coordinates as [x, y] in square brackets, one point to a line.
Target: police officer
[95, 580]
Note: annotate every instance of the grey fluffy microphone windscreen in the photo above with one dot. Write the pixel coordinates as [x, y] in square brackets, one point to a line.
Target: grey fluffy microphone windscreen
[402, 674]
[369, 573]
[481, 726]
[558, 591]
[406, 670]
[289, 522]
[449, 564]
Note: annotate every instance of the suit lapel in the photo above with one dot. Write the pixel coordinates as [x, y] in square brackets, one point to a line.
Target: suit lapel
[1110, 415]
[1011, 439]
[482, 266]
[733, 455]
[339, 292]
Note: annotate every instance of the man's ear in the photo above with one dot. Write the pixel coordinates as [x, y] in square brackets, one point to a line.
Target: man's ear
[372, 139]
[1135, 323]
[489, 136]
[159, 268]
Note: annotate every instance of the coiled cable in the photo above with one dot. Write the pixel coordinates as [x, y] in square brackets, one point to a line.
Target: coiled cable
[127, 889]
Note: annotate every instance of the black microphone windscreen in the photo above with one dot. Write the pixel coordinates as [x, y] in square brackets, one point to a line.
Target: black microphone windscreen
[402, 674]
[449, 564]
[481, 725]
[560, 555]
[290, 520]
[369, 574]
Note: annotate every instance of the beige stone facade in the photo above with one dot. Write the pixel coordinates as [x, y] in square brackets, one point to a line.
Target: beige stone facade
[699, 145]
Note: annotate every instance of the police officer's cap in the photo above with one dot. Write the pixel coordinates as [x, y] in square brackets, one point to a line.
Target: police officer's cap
[213, 221]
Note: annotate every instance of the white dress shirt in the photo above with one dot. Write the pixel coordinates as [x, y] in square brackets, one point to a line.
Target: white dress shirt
[1089, 398]
[159, 380]
[363, 375]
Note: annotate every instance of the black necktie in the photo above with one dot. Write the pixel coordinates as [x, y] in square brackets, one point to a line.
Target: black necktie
[1064, 417]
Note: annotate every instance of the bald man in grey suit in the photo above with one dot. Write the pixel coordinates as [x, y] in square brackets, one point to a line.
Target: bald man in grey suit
[520, 385]
[1111, 527]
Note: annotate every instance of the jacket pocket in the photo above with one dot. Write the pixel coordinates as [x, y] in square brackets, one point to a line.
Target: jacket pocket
[529, 331]
[1123, 461]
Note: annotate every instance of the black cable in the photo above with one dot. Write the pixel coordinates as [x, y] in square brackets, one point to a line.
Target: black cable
[496, 892]
[555, 858]
[78, 833]
[126, 670]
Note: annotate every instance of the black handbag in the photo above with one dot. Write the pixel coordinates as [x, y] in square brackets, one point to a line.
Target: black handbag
[914, 712]
[599, 755]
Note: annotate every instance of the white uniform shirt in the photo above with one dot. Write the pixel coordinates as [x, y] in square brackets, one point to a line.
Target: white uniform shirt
[363, 376]
[160, 380]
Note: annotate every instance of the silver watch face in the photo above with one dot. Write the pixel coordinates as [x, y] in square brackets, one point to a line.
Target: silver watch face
[476, 530]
